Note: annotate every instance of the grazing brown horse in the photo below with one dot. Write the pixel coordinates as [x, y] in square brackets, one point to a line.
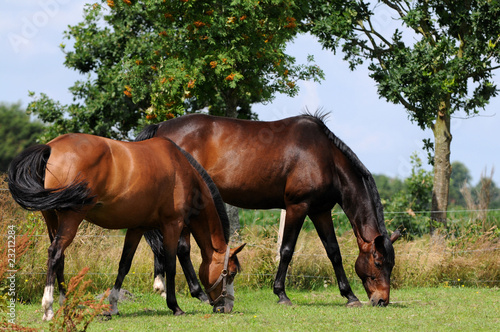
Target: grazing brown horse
[299, 165]
[139, 186]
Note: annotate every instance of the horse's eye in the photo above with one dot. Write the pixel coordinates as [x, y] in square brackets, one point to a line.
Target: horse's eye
[232, 274]
[378, 265]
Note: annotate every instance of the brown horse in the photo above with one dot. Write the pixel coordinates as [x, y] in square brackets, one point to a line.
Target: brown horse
[139, 186]
[299, 165]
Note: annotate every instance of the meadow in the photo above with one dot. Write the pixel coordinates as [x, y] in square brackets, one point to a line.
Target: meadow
[412, 309]
[446, 281]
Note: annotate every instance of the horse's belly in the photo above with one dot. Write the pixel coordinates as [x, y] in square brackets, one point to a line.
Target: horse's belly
[123, 216]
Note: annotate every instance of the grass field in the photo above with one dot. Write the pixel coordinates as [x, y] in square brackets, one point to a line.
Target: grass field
[439, 283]
[411, 309]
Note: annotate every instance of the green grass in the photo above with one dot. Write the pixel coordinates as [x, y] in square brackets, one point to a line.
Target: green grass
[411, 309]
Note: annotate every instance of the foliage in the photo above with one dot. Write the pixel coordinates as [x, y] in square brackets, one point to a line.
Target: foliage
[79, 308]
[148, 61]
[14, 244]
[387, 186]
[17, 132]
[411, 205]
[459, 175]
[454, 53]
[441, 61]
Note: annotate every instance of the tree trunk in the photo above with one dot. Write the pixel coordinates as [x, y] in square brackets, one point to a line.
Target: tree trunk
[231, 106]
[442, 166]
[232, 211]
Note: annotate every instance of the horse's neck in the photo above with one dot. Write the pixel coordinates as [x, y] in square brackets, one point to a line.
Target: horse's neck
[207, 230]
[359, 207]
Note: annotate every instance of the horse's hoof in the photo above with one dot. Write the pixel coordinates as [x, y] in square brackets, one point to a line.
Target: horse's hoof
[48, 316]
[105, 316]
[179, 313]
[285, 302]
[203, 298]
[110, 313]
[354, 304]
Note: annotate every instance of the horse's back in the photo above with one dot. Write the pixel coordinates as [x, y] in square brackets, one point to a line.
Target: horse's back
[84, 154]
[131, 181]
[254, 162]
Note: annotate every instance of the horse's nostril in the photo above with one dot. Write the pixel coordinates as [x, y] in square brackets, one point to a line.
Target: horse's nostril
[381, 303]
[219, 310]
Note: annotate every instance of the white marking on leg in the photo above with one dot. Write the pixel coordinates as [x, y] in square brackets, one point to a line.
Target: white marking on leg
[62, 297]
[159, 284]
[47, 300]
[113, 301]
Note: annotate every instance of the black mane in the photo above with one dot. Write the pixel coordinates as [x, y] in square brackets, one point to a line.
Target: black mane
[219, 203]
[153, 236]
[319, 118]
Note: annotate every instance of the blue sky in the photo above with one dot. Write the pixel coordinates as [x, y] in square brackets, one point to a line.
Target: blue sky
[378, 132]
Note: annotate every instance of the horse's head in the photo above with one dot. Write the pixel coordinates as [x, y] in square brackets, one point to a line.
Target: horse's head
[374, 266]
[218, 275]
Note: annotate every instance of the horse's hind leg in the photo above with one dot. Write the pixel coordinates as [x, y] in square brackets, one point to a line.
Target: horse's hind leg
[324, 227]
[132, 239]
[183, 253]
[51, 221]
[68, 225]
[155, 240]
[159, 268]
[295, 215]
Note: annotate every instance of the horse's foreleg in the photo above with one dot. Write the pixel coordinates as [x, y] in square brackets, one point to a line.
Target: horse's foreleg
[183, 253]
[55, 264]
[294, 219]
[132, 239]
[324, 226]
[170, 240]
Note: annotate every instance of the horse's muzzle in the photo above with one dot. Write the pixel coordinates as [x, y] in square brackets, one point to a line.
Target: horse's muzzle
[378, 302]
[224, 308]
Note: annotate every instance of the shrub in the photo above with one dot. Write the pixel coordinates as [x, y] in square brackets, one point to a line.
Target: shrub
[79, 308]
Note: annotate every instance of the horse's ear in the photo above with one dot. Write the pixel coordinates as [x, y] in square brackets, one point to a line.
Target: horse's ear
[237, 249]
[397, 233]
[379, 243]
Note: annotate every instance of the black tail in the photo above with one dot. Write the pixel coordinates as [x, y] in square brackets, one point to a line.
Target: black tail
[26, 177]
[147, 133]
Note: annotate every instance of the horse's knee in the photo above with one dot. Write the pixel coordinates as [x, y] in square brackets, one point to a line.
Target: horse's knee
[183, 248]
[286, 252]
[333, 253]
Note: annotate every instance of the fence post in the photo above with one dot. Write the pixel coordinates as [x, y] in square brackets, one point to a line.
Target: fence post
[280, 233]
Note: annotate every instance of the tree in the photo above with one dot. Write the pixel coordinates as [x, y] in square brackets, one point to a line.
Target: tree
[17, 132]
[440, 63]
[412, 203]
[387, 187]
[459, 176]
[148, 61]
